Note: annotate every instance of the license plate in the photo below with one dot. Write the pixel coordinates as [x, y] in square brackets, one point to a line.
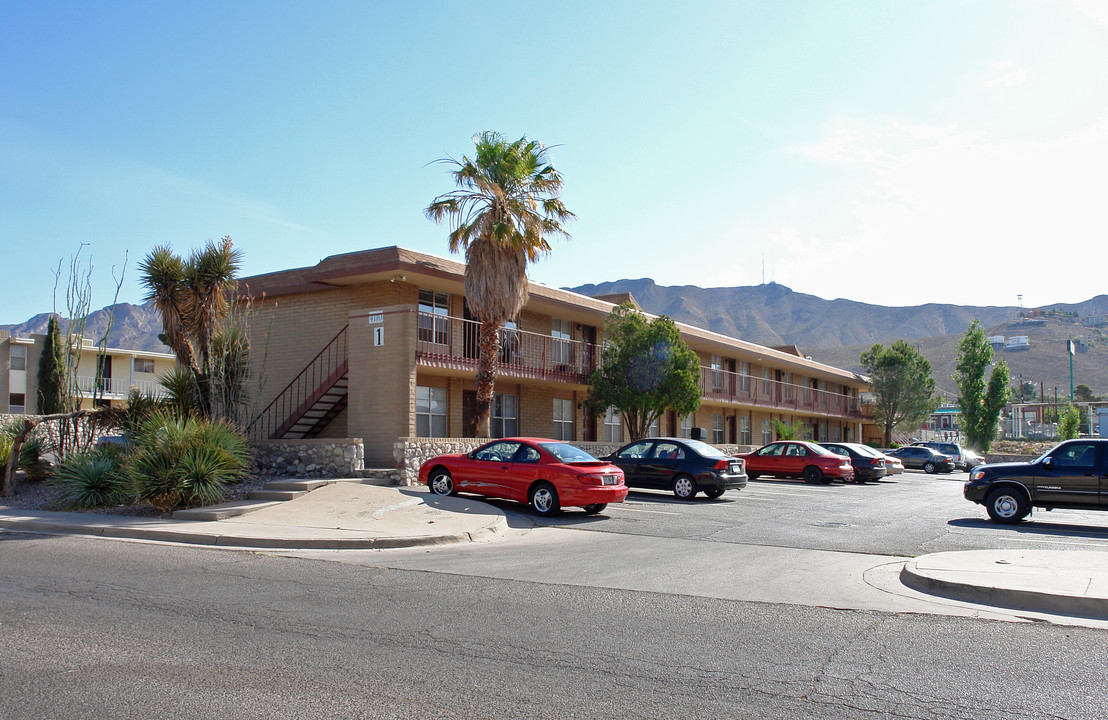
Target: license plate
[733, 468]
[609, 479]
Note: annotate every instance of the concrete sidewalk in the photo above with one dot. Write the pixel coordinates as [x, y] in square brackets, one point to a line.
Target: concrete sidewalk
[343, 515]
[351, 515]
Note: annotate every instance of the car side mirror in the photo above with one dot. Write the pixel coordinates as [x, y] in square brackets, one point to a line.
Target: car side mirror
[1048, 462]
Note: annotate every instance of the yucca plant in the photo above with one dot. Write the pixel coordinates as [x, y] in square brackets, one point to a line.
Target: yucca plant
[184, 461]
[89, 480]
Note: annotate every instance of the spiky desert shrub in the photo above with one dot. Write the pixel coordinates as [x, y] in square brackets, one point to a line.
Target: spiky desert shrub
[185, 461]
[90, 479]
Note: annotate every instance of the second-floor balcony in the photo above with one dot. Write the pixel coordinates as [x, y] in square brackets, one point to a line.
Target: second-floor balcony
[451, 342]
[117, 388]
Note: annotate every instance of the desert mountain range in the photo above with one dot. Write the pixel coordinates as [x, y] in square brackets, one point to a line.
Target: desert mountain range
[834, 332]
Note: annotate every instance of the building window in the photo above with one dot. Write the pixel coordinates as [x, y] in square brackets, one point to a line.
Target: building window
[686, 426]
[16, 403]
[717, 429]
[613, 425]
[434, 329]
[717, 373]
[144, 366]
[744, 376]
[767, 431]
[18, 357]
[505, 416]
[430, 411]
[562, 332]
[563, 419]
[744, 430]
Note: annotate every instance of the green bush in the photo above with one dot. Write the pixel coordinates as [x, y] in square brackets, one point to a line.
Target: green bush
[30, 452]
[182, 462]
[90, 479]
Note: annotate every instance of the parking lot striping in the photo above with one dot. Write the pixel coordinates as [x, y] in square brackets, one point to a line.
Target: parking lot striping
[1061, 542]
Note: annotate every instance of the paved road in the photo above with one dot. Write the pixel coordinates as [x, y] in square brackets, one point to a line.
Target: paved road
[95, 628]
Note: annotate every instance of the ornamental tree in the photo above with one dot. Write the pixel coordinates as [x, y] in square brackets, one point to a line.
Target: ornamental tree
[902, 385]
[645, 369]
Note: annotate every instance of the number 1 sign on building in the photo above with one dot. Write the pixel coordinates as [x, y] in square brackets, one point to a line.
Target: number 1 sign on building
[377, 319]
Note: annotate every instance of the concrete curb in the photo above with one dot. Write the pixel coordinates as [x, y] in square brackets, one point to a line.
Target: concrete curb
[231, 539]
[982, 589]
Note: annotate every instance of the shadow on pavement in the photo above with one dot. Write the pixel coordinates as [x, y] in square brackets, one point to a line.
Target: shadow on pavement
[1033, 527]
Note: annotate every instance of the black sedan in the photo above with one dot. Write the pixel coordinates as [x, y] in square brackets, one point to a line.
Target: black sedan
[868, 464]
[923, 458]
[684, 466]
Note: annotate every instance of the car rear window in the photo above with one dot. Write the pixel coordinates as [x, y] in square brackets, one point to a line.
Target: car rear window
[705, 449]
[567, 453]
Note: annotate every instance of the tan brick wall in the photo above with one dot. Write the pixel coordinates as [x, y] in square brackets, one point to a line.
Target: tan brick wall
[381, 404]
[287, 332]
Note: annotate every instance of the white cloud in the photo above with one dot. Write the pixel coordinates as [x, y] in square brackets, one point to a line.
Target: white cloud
[1096, 9]
[1011, 79]
[971, 221]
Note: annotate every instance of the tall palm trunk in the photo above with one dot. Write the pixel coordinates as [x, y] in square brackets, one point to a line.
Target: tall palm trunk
[488, 350]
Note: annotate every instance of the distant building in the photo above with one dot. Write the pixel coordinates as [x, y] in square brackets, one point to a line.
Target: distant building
[997, 341]
[120, 370]
[1018, 342]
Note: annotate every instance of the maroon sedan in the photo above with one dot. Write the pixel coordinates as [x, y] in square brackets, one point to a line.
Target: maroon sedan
[798, 459]
[547, 474]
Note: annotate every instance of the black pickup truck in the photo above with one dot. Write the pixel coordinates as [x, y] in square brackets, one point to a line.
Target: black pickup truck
[1071, 475]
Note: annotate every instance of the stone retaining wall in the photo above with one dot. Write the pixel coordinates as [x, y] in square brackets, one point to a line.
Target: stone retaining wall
[411, 453]
[315, 458]
[47, 432]
[996, 458]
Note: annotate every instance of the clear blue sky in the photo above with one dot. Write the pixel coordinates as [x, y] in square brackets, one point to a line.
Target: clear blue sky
[886, 151]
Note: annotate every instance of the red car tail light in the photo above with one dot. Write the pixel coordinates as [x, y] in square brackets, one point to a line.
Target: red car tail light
[601, 479]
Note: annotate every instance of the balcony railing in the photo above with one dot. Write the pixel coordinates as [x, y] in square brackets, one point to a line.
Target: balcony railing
[451, 342]
[117, 388]
[732, 387]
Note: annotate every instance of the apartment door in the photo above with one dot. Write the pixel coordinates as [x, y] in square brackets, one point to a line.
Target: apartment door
[469, 413]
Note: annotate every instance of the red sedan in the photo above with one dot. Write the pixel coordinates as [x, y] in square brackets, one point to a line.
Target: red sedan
[800, 459]
[547, 474]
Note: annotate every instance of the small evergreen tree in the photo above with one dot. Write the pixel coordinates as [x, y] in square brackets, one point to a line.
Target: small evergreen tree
[1070, 423]
[52, 396]
[981, 402]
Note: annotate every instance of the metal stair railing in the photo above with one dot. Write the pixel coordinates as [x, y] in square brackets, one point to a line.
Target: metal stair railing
[320, 375]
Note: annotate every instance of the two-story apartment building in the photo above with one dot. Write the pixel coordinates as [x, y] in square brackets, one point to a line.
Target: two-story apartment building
[378, 344]
[120, 369]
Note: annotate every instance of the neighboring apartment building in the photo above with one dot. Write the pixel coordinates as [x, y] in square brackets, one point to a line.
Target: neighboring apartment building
[379, 345]
[120, 370]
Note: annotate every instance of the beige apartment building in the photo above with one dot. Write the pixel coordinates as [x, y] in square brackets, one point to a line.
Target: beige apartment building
[379, 345]
[120, 370]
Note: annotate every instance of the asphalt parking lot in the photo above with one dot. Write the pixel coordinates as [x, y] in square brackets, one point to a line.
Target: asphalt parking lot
[908, 514]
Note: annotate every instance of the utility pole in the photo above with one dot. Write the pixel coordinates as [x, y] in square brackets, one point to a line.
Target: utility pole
[1073, 351]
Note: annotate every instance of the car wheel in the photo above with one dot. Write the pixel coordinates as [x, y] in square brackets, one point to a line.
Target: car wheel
[595, 508]
[1007, 505]
[714, 493]
[813, 475]
[684, 487]
[544, 499]
[441, 483]
[929, 467]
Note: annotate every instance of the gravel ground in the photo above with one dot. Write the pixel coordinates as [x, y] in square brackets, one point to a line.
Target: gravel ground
[41, 496]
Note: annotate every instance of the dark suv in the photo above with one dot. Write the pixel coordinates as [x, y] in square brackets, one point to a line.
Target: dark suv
[1071, 475]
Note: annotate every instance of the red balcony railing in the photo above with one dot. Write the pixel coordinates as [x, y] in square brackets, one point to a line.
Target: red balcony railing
[451, 342]
[731, 387]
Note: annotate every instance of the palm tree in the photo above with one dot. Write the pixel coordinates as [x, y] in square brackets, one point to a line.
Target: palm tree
[505, 207]
[193, 299]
